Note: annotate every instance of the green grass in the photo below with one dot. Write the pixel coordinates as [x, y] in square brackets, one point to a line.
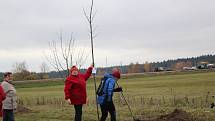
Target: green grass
[149, 95]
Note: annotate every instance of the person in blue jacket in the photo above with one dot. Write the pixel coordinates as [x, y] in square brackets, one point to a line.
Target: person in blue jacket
[105, 100]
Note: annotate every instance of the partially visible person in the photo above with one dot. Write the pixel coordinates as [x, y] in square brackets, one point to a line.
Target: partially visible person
[75, 90]
[105, 100]
[9, 104]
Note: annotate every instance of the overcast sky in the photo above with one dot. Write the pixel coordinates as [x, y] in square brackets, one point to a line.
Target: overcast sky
[128, 30]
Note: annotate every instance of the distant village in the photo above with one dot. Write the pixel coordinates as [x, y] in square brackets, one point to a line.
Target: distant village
[201, 65]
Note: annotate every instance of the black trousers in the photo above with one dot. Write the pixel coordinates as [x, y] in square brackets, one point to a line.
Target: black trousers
[108, 107]
[78, 112]
[8, 115]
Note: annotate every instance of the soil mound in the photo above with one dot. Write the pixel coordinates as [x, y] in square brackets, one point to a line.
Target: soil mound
[176, 115]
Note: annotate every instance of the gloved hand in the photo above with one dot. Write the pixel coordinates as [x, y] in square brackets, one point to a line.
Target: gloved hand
[119, 89]
[212, 105]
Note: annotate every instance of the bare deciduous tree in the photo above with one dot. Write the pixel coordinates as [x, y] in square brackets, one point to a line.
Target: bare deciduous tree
[19, 67]
[62, 55]
[20, 71]
[44, 67]
[44, 71]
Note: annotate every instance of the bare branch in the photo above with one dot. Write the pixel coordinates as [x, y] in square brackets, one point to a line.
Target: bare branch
[61, 45]
[80, 59]
[55, 56]
[53, 64]
[95, 28]
[85, 14]
[95, 35]
[94, 15]
[63, 53]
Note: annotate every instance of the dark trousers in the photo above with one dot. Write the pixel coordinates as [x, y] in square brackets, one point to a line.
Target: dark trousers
[78, 112]
[8, 115]
[108, 107]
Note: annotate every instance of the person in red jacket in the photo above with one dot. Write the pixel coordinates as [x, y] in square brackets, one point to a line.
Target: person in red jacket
[75, 89]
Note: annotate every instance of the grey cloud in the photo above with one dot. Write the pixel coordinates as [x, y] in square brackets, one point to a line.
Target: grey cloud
[167, 27]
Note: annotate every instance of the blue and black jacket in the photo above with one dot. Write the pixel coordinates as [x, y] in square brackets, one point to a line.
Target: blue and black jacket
[107, 90]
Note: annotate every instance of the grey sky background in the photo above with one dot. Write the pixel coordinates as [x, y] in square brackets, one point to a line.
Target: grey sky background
[128, 30]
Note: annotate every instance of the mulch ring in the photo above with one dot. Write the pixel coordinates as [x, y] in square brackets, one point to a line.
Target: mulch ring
[176, 115]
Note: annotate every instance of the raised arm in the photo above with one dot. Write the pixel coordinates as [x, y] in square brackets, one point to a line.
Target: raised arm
[88, 73]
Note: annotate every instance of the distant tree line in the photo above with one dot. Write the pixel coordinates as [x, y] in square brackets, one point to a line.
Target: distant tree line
[1, 76]
[168, 65]
[22, 73]
[194, 61]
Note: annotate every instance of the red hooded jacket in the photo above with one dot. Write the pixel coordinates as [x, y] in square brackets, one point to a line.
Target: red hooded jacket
[75, 87]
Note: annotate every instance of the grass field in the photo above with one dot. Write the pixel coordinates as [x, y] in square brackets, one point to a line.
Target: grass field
[148, 95]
